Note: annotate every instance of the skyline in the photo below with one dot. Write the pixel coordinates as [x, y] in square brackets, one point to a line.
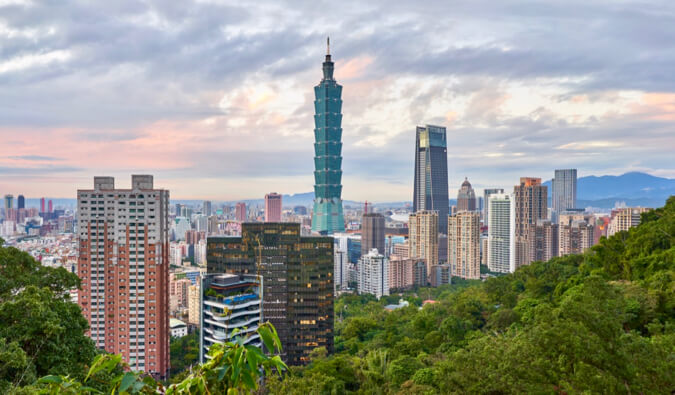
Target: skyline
[218, 108]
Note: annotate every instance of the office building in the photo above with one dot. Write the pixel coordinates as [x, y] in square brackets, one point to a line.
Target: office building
[442, 248]
[372, 233]
[124, 240]
[466, 197]
[373, 274]
[297, 277]
[21, 202]
[50, 206]
[464, 244]
[273, 206]
[340, 270]
[206, 209]
[327, 216]
[625, 218]
[501, 233]
[423, 237]
[486, 196]
[42, 205]
[564, 190]
[9, 202]
[530, 198]
[431, 173]
[229, 303]
[240, 213]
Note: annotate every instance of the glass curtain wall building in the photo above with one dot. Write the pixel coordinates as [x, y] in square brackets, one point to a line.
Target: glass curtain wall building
[327, 217]
[431, 173]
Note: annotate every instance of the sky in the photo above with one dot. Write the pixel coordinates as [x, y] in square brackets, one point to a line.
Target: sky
[215, 98]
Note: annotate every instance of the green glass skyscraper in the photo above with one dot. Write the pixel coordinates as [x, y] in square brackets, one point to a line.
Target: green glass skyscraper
[327, 217]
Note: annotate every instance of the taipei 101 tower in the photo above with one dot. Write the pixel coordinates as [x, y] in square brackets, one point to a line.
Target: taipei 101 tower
[327, 217]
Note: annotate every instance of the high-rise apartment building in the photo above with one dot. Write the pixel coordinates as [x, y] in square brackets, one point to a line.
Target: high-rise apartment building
[431, 173]
[423, 237]
[124, 267]
[531, 205]
[543, 241]
[229, 303]
[194, 304]
[327, 216]
[400, 273]
[440, 275]
[373, 269]
[240, 213]
[50, 205]
[42, 205]
[575, 237]
[464, 244]
[486, 196]
[297, 277]
[466, 197]
[372, 233]
[625, 218]
[21, 202]
[273, 206]
[564, 190]
[501, 233]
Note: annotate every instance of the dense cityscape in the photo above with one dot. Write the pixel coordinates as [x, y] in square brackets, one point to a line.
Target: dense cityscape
[530, 285]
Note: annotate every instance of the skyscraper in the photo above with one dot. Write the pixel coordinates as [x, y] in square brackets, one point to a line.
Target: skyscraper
[372, 233]
[273, 207]
[9, 202]
[501, 233]
[240, 213]
[431, 173]
[464, 244]
[123, 263]
[42, 205]
[207, 208]
[486, 207]
[51, 206]
[466, 197]
[543, 239]
[423, 229]
[297, 277]
[564, 190]
[530, 198]
[21, 202]
[327, 216]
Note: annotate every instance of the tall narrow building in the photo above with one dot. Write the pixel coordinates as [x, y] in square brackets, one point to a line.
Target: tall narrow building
[531, 205]
[501, 234]
[297, 274]
[372, 233]
[423, 230]
[273, 204]
[486, 206]
[564, 190]
[464, 244]
[327, 216]
[123, 263]
[466, 197]
[373, 272]
[431, 173]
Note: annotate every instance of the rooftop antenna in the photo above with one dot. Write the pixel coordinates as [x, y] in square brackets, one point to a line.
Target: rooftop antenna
[366, 208]
[328, 45]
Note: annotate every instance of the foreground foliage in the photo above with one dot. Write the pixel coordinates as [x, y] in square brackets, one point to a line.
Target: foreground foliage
[602, 322]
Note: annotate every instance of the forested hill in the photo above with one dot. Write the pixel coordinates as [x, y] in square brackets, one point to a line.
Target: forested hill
[602, 322]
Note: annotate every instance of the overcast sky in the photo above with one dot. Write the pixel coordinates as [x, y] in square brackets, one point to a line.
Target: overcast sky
[215, 98]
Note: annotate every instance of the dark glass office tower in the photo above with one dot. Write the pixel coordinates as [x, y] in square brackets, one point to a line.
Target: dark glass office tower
[431, 173]
[327, 217]
[297, 277]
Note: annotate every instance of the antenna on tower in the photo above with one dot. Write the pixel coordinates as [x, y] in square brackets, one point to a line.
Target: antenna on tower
[328, 45]
[365, 209]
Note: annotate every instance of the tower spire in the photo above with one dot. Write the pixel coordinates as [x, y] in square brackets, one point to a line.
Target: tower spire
[328, 45]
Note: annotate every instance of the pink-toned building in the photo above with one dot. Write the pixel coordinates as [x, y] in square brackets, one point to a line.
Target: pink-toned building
[273, 207]
[240, 213]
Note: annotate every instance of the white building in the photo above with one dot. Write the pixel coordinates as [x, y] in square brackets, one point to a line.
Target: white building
[178, 328]
[373, 273]
[179, 227]
[200, 252]
[501, 233]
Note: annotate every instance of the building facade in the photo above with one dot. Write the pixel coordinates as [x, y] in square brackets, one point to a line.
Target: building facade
[464, 244]
[297, 275]
[486, 196]
[564, 190]
[273, 205]
[466, 197]
[625, 218]
[431, 173]
[373, 272]
[530, 198]
[327, 215]
[124, 266]
[400, 273]
[543, 241]
[372, 233]
[229, 302]
[440, 275]
[423, 237]
[501, 234]
[240, 213]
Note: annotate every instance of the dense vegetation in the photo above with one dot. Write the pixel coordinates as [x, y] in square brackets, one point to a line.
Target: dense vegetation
[184, 352]
[600, 322]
